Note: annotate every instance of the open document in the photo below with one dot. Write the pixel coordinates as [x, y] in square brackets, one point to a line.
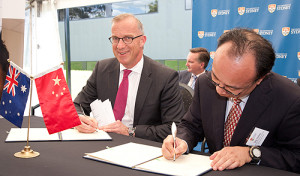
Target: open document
[41, 134]
[150, 159]
[190, 164]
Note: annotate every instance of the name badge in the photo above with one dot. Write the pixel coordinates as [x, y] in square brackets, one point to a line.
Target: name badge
[257, 137]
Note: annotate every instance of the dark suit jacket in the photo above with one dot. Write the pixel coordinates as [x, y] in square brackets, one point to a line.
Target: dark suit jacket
[274, 105]
[158, 102]
[184, 76]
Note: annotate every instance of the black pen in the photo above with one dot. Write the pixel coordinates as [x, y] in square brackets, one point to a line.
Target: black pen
[86, 116]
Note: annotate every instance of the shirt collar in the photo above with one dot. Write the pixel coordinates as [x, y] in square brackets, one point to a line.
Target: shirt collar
[199, 74]
[244, 99]
[137, 68]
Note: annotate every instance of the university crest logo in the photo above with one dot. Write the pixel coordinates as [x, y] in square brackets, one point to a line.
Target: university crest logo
[201, 34]
[272, 8]
[214, 12]
[256, 31]
[241, 10]
[285, 31]
[212, 54]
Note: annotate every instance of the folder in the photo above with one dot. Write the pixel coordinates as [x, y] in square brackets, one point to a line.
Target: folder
[149, 159]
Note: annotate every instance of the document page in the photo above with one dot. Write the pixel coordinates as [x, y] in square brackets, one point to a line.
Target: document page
[41, 134]
[128, 155]
[102, 112]
[35, 134]
[190, 164]
[74, 135]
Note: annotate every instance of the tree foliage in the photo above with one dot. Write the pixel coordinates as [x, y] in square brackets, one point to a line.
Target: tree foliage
[87, 12]
[153, 7]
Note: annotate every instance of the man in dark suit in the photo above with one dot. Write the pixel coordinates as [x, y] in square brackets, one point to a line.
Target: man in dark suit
[4, 55]
[267, 130]
[196, 63]
[153, 100]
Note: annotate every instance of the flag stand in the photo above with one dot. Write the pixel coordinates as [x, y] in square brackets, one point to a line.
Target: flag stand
[27, 152]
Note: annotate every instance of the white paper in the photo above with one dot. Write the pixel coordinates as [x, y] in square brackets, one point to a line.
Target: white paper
[102, 112]
[74, 135]
[257, 137]
[35, 134]
[41, 134]
[190, 164]
[128, 155]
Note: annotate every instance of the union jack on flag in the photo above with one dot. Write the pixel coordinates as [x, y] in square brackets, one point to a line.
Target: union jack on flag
[15, 94]
[11, 78]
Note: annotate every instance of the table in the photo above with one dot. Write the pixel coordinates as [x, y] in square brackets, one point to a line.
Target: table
[66, 157]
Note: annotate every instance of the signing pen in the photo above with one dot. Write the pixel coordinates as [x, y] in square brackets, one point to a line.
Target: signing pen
[174, 132]
[86, 116]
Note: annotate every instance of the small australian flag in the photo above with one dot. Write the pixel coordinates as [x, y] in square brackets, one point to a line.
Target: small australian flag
[15, 94]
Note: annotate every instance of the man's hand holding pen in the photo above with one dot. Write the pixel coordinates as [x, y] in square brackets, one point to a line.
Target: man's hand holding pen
[168, 148]
[173, 147]
[88, 124]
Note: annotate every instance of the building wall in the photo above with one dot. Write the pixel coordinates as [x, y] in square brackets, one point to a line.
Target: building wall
[12, 25]
[169, 34]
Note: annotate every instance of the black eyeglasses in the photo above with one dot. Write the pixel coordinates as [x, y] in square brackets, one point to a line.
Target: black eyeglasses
[126, 40]
[223, 87]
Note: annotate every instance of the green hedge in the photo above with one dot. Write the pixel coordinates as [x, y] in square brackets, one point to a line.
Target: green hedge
[89, 65]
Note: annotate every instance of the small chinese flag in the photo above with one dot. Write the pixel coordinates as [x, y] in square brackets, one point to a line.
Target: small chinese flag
[56, 102]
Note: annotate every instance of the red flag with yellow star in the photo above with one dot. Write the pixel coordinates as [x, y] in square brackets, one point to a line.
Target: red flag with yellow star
[56, 102]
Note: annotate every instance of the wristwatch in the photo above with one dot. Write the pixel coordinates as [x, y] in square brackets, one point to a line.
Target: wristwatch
[255, 154]
[131, 131]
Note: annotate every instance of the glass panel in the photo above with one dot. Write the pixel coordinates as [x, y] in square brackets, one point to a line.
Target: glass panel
[188, 4]
[111, 9]
[135, 7]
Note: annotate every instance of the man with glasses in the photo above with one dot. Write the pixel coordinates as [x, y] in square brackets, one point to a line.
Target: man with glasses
[246, 112]
[148, 100]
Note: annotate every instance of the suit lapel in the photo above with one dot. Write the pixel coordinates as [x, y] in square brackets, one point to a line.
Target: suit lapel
[217, 104]
[187, 77]
[258, 101]
[218, 120]
[113, 81]
[144, 86]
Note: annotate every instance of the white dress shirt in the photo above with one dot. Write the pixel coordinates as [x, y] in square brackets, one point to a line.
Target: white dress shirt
[190, 83]
[134, 81]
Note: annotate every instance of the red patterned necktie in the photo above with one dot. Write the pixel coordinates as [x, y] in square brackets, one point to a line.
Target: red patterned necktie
[232, 120]
[121, 99]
